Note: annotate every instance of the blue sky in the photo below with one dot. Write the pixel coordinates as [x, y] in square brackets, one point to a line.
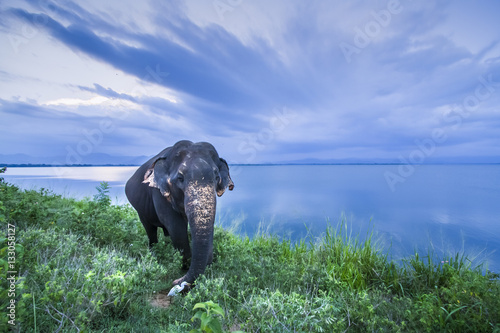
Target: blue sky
[264, 81]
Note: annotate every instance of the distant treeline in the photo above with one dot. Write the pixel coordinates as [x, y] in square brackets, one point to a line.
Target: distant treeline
[59, 165]
[29, 165]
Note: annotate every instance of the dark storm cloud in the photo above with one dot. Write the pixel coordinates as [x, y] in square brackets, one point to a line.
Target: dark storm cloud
[217, 68]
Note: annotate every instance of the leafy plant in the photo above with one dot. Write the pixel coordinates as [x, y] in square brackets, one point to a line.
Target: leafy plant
[102, 196]
[207, 314]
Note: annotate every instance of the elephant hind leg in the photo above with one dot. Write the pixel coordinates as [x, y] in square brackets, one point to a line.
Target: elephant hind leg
[165, 231]
[152, 233]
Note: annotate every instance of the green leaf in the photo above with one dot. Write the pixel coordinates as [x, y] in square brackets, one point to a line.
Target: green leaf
[200, 306]
[452, 312]
[205, 319]
[89, 275]
[19, 249]
[215, 326]
[218, 310]
[197, 315]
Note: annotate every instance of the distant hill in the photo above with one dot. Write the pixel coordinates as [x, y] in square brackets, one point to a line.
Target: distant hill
[91, 159]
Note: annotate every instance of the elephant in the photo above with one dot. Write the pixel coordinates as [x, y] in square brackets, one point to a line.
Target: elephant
[177, 188]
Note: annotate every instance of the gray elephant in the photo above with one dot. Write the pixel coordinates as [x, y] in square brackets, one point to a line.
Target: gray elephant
[175, 188]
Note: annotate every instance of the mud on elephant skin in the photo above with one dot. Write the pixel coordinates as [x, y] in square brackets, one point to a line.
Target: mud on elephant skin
[177, 188]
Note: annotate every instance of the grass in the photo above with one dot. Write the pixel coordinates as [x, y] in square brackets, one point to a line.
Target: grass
[84, 266]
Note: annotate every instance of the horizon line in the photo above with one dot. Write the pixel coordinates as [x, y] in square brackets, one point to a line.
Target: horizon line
[43, 165]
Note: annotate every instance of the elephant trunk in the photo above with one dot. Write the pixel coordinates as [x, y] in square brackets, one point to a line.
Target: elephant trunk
[200, 204]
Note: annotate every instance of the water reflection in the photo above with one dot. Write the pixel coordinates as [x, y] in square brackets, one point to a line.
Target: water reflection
[76, 182]
[98, 174]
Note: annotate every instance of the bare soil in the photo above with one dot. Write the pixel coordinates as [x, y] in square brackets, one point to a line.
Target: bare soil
[161, 300]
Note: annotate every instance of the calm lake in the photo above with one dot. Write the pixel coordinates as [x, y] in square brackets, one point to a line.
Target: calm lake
[446, 208]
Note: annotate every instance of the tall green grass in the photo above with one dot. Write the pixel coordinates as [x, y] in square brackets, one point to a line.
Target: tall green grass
[84, 266]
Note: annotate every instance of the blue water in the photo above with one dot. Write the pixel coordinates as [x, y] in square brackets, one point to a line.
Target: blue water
[446, 208]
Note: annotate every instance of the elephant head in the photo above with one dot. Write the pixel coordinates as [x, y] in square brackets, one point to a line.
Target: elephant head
[189, 176]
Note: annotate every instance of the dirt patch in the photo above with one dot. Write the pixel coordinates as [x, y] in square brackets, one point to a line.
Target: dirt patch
[161, 300]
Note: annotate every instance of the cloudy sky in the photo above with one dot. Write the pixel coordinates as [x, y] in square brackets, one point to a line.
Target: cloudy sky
[264, 81]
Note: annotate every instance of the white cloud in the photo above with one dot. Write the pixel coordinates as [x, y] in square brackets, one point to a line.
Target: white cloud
[97, 100]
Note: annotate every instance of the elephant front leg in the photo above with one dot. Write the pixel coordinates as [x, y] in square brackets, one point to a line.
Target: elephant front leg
[180, 241]
[174, 225]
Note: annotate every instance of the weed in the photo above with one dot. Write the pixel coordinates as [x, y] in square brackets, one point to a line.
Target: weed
[102, 196]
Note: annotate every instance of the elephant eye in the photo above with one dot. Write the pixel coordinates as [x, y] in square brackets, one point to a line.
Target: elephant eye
[180, 178]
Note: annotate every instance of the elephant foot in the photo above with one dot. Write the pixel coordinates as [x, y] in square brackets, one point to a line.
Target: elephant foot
[178, 281]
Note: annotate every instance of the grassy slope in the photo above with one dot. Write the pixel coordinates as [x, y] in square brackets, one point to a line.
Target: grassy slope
[84, 265]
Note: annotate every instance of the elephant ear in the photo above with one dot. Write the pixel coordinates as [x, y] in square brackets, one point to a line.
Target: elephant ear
[154, 179]
[225, 178]
[149, 177]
